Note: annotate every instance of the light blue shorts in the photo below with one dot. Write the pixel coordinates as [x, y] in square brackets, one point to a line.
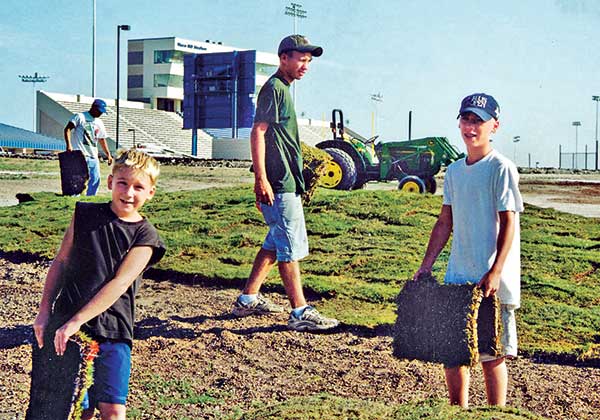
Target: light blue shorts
[112, 368]
[287, 229]
[509, 335]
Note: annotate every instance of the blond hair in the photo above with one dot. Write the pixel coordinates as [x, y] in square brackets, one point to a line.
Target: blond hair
[139, 162]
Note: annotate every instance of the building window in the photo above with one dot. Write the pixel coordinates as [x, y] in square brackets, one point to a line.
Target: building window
[168, 80]
[135, 57]
[135, 81]
[263, 69]
[168, 56]
[145, 100]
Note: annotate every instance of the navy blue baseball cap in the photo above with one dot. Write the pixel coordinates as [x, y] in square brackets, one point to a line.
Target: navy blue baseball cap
[298, 43]
[100, 105]
[480, 104]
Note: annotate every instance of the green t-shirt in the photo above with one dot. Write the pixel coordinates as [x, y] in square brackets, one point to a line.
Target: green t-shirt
[283, 154]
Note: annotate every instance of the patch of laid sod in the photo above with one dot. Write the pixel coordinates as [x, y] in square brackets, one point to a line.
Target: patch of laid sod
[327, 407]
[364, 246]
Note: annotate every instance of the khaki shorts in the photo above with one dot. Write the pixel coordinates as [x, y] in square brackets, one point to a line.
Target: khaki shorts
[509, 335]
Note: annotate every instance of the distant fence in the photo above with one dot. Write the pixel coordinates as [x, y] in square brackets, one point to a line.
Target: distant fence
[580, 160]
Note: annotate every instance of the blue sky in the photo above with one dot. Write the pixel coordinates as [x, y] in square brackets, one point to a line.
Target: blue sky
[539, 58]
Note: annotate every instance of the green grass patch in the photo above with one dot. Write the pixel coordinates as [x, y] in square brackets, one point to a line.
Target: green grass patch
[364, 246]
[327, 407]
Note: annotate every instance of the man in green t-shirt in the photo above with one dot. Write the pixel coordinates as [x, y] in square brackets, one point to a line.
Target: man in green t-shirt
[278, 185]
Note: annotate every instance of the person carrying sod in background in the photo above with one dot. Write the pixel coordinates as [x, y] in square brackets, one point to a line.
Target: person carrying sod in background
[481, 207]
[83, 132]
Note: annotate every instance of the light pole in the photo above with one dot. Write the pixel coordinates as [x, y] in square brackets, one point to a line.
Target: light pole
[516, 139]
[119, 28]
[597, 99]
[133, 130]
[376, 98]
[576, 124]
[33, 79]
[93, 48]
[295, 10]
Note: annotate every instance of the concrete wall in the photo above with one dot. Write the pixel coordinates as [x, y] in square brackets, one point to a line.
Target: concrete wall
[231, 149]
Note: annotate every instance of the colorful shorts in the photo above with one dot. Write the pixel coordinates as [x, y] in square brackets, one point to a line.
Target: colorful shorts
[112, 368]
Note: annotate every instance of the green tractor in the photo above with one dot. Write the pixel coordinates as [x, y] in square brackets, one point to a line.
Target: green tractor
[414, 163]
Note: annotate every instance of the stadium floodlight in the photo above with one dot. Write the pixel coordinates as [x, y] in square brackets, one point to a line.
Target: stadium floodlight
[576, 124]
[119, 29]
[295, 10]
[516, 139]
[33, 79]
[376, 98]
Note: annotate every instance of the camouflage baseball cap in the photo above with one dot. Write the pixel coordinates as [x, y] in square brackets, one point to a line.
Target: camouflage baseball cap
[298, 43]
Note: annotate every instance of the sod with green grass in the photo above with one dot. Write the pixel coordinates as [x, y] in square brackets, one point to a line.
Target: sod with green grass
[364, 246]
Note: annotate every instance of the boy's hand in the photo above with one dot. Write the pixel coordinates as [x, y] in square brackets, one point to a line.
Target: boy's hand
[62, 336]
[39, 327]
[264, 192]
[489, 283]
[422, 271]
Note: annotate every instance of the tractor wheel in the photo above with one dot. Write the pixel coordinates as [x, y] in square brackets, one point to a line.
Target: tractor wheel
[341, 171]
[430, 185]
[412, 184]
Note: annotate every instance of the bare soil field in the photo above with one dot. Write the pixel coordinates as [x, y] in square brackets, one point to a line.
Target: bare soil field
[184, 332]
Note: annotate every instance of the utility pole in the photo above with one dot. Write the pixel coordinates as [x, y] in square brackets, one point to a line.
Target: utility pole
[34, 79]
[119, 29]
[597, 99]
[93, 48]
[295, 10]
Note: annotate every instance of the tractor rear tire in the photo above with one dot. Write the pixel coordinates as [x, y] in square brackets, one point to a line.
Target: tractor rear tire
[341, 171]
[430, 185]
[412, 184]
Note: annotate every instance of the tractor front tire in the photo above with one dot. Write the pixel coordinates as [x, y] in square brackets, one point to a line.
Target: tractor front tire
[412, 184]
[340, 172]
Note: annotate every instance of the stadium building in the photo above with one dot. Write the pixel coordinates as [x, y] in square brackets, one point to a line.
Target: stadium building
[155, 69]
[152, 115]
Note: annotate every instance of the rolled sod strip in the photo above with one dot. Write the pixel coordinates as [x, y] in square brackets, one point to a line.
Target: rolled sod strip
[449, 324]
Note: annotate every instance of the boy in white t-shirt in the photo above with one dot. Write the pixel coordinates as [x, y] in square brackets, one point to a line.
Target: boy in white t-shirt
[481, 209]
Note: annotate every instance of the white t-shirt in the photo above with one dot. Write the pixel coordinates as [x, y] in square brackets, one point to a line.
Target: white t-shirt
[88, 130]
[476, 194]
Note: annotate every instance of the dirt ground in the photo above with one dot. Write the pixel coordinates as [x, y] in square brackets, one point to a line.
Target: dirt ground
[258, 359]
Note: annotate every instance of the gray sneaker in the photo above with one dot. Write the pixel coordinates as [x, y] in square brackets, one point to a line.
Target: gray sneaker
[311, 320]
[261, 306]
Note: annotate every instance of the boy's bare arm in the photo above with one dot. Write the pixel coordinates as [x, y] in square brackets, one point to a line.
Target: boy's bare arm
[490, 282]
[262, 188]
[106, 150]
[67, 134]
[134, 263]
[52, 285]
[437, 241]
